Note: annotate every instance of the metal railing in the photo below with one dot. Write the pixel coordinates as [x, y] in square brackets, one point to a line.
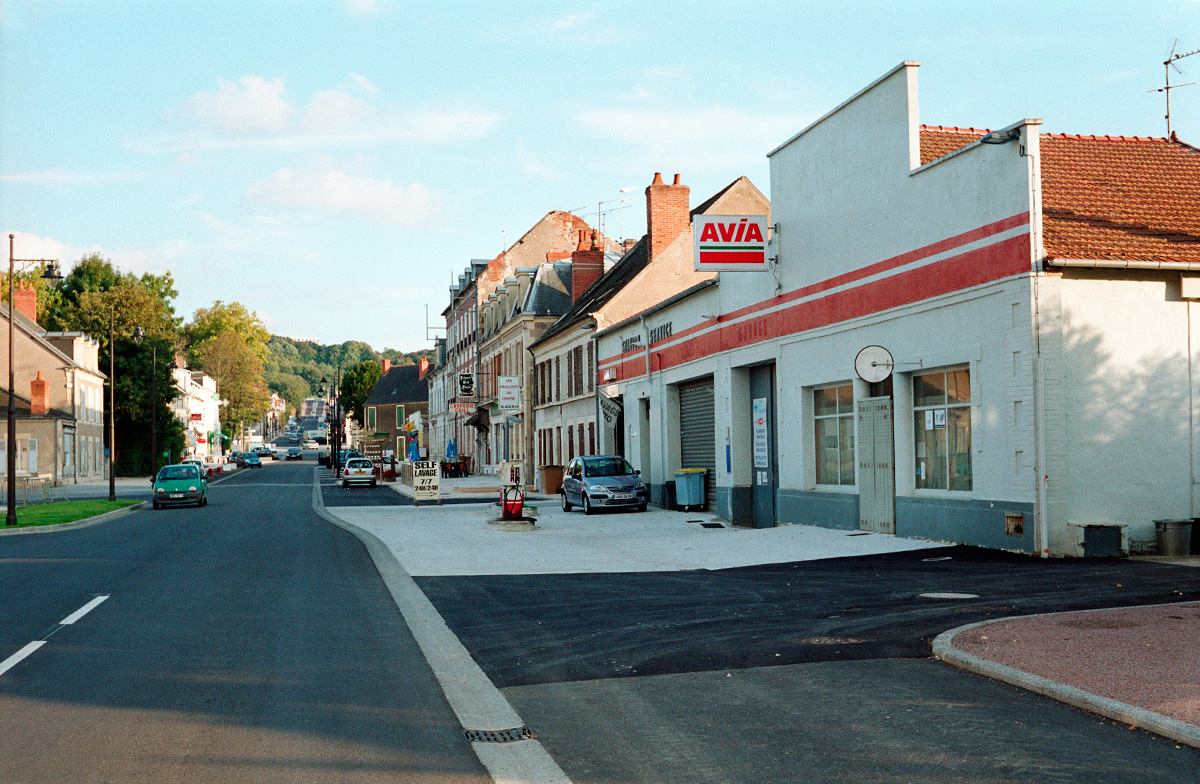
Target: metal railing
[30, 489]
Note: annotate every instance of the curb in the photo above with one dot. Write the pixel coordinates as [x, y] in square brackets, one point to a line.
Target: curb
[943, 649]
[475, 701]
[84, 523]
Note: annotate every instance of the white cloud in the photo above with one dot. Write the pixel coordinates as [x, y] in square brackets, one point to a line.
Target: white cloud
[569, 21]
[130, 258]
[531, 164]
[364, 84]
[252, 104]
[254, 113]
[333, 190]
[699, 139]
[63, 177]
[334, 110]
[362, 9]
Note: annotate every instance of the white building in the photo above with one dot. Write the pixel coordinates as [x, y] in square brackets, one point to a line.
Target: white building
[1034, 291]
[197, 405]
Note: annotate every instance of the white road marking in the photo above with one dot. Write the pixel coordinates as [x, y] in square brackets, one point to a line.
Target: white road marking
[16, 658]
[82, 611]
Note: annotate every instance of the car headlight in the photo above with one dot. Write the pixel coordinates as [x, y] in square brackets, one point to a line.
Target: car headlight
[640, 486]
[158, 490]
[599, 490]
[192, 489]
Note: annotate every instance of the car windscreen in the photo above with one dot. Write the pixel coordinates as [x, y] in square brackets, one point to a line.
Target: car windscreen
[607, 466]
[179, 472]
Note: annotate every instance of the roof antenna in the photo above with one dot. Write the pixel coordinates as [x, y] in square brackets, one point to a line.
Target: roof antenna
[1168, 64]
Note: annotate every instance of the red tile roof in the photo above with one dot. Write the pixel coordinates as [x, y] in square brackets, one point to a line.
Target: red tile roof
[1107, 197]
[1116, 197]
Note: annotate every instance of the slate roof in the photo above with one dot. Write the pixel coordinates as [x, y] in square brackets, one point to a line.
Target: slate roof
[600, 292]
[550, 294]
[1108, 197]
[399, 385]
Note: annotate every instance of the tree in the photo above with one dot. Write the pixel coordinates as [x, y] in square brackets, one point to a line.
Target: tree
[207, 323]
[95, 274]
[357, 383]
[238, 372]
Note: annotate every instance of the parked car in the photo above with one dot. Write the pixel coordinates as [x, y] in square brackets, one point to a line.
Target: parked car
[359, 470]
[294, 453]
[248, 460]
[179, 485]
[310, 444]
[602, 482]
[264, 451]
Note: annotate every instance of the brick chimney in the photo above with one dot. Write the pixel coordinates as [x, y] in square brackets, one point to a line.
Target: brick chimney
[387, 365]
[39, 396]
[25, 301]
[666, 213]
[587, 264]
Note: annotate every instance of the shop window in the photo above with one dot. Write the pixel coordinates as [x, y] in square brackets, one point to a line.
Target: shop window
[833, 410]
[942, 429]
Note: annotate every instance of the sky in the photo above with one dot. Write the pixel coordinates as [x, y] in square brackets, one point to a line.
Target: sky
[334, 165]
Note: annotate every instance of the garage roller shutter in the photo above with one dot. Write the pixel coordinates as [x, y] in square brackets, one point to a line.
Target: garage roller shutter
[697, 428]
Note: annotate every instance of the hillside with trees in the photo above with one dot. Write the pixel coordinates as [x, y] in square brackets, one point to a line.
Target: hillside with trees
[294, 368]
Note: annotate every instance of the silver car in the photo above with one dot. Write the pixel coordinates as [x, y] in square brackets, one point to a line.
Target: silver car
[602, 482]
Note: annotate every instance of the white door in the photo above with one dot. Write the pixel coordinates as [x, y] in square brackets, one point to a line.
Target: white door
[876, 466]
[33, 456]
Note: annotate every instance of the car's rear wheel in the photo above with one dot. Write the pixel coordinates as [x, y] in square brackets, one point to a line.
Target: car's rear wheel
[345, 483]
[372, 483]
[566, 505]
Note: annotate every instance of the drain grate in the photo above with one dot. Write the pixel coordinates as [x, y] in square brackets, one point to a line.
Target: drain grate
[499, 736]
[711, 525]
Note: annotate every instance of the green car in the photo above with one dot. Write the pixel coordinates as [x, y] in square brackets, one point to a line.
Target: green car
[180, 484]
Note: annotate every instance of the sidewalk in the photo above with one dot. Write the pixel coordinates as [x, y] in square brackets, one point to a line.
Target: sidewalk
[1136, 665]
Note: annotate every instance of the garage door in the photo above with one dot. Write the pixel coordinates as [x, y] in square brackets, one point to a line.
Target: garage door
[697, 428]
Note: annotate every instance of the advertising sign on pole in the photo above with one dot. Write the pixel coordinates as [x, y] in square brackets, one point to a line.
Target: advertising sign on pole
[427, 484]
[508, 393]
[466, 385]
[610, 408]
[730, 242]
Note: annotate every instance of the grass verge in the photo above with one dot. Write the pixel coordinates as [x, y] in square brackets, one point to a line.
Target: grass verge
[57, 512]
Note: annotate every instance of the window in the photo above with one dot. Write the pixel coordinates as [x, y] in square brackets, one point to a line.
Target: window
[942, 429]
[591, 366]
[578, 369]
[399, 418]
[571, 388]
[558, 377]
[371, 419]
[833, 410]
[591, 438]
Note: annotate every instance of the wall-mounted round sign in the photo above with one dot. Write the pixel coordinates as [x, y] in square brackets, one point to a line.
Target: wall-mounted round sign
[874, 364]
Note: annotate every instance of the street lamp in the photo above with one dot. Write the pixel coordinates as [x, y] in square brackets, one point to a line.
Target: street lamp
[50, 274]
[138, 336]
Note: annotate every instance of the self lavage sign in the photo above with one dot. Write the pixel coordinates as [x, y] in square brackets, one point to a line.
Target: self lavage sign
[730, 242]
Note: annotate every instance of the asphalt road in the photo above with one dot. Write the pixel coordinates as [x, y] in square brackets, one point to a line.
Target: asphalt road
[248, 641]
[807, 672]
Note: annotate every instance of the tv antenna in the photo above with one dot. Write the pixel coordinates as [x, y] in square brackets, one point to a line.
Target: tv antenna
[1167, 87]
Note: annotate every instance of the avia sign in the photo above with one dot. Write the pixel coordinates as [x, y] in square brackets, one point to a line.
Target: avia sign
[730, 242]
